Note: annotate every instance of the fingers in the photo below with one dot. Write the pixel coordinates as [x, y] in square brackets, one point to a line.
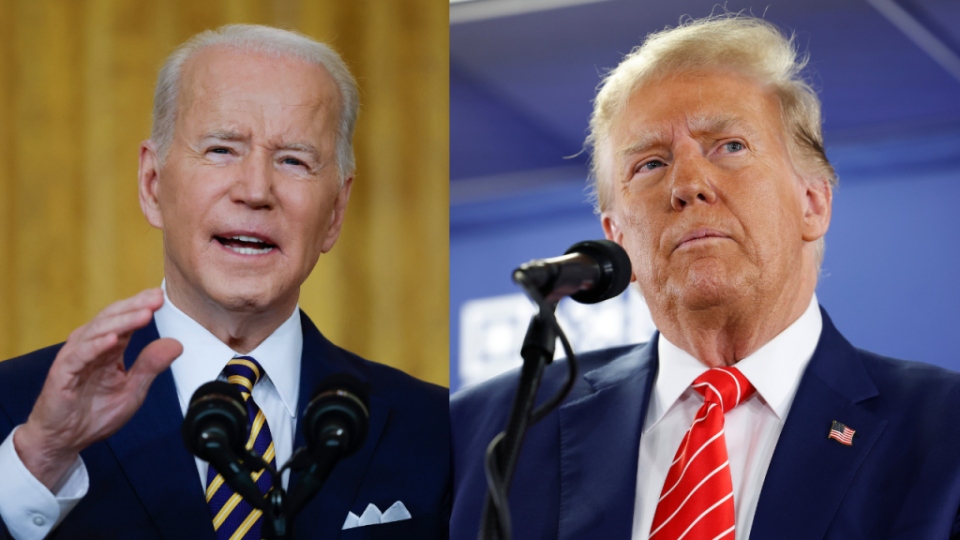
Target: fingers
[120, 317]
[150, 299]
[101, 334]
[153, 360]
[89, 350]
[111, 328]
[119, 324]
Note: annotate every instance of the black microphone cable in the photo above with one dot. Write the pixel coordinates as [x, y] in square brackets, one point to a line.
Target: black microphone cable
[589, 272]
[503, 451]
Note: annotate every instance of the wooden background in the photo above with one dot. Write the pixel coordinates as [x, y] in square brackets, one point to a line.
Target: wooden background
[76, 89]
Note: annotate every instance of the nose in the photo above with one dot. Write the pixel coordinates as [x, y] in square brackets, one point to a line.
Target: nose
[254, 183]
[692, 181]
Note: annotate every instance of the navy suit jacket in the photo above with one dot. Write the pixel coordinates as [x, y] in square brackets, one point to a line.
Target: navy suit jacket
[577, 473]
[144, 484]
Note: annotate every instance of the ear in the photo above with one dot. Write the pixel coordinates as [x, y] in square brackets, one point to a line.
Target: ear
[817, 208]
[148, 179]
[611, 229]
[336, 219]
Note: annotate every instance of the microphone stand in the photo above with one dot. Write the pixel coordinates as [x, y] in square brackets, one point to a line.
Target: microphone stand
[502, 454]
[280, 507]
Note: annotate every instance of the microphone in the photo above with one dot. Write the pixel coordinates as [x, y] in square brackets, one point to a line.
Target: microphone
[338, 416]
[589, 272]
[335, 426]
[215, 430]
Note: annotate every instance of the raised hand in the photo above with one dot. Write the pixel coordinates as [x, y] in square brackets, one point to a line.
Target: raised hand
[88, 395]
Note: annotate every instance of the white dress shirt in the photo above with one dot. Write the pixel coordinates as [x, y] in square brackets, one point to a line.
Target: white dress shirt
[30, 511]
[751, 429]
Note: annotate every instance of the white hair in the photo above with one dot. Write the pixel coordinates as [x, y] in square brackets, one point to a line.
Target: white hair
[261, 40]
[743, 44]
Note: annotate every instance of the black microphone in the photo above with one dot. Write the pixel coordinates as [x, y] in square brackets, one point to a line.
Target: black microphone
[215, 430]
[335, 426]
[338, 415]
[589, 272]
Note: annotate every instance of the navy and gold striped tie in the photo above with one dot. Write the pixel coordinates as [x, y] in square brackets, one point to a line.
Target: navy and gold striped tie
[233, 517]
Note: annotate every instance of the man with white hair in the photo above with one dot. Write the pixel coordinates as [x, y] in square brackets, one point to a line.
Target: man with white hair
[248, 171]
[747, 415]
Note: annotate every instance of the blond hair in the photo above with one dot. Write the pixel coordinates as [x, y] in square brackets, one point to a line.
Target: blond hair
[747, 45]
[744, 44]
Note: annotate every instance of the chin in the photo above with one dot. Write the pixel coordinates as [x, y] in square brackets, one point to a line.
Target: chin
[244, 295]
[705, 286]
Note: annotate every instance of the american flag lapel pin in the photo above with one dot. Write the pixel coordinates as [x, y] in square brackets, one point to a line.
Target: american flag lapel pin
[841, 433]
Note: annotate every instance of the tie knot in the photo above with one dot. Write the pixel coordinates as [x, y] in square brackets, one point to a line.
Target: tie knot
[244, 372]
[724, 386]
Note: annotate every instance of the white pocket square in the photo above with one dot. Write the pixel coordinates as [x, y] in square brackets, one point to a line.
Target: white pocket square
[372, 516]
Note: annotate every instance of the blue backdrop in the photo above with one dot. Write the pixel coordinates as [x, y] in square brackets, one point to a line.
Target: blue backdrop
[520, 95]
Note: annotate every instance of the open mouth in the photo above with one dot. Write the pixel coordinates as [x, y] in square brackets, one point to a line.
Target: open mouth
[245, 245]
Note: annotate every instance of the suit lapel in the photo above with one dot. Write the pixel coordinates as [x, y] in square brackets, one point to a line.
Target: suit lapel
[599, 436]
[150, 451]
[809, 473]
[323, 517]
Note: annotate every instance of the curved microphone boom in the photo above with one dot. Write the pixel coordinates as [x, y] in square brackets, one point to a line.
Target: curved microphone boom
[589, 272]
[334, 425]
[215, 430]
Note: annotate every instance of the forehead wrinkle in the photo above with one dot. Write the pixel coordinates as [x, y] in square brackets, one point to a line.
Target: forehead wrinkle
[716, 123]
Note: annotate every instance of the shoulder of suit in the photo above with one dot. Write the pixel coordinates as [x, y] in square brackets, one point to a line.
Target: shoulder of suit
[386, 383]
[905, 381]
[500, 389]
[392, 384]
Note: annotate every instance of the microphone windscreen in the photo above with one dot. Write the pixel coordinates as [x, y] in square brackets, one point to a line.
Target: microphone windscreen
[342, 401]
[215, 404]
[615, 270]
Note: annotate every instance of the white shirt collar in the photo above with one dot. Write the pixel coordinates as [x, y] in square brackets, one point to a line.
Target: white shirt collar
[204, 356]
[774, 369]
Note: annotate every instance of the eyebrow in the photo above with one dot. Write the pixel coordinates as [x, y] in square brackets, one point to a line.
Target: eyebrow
[227, 135]
[643, 142]
[718, 123]
[301, 147]
[699, 124]
[223, 135]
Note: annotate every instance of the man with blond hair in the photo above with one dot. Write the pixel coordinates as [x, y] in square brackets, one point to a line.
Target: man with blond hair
[247, 172]
[747, 415]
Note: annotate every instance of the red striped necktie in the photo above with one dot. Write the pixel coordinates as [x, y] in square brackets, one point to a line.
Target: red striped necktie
[233, 517]
[696, 502]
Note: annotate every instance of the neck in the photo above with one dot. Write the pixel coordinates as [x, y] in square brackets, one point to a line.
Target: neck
[243, 330]
[726, 333]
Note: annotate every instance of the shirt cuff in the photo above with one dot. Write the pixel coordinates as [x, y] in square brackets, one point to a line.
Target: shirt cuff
[28, 509]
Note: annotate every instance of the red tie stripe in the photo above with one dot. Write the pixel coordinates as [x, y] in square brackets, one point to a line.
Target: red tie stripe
[696, 502]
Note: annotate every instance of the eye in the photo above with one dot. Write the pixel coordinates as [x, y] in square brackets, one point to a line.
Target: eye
[650, 165]
[292, 161]
[220, 150]
[734, 146]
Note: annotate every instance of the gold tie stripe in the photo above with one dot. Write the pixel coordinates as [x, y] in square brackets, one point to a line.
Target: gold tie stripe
[233, 517]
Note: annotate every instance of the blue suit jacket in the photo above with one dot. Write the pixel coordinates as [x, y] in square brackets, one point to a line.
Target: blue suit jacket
[144, 484]
[577, 473]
